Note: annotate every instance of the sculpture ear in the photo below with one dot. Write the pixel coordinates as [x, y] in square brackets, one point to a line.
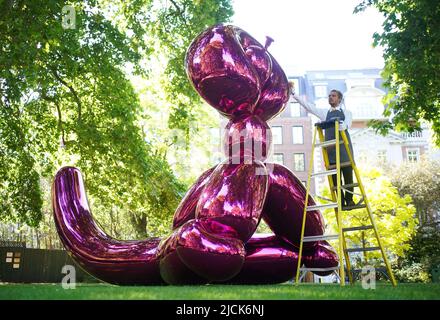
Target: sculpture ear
[221, 72]
[274, 95]
[274, 85]
[257, 55]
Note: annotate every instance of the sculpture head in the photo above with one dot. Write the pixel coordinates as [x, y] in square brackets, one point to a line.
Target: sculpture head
[237, 76]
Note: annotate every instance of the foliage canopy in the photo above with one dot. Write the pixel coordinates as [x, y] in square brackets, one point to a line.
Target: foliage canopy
[411, 42]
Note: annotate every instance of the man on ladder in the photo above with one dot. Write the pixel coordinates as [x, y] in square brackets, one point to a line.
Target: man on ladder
[335, 120]
[336, 111]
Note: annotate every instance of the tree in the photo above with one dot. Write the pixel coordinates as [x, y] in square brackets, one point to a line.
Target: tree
[411, 42]
[66, 99]
[394, 216]
[420, 180]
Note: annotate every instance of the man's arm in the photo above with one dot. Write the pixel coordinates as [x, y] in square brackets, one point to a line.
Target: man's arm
[320, 113]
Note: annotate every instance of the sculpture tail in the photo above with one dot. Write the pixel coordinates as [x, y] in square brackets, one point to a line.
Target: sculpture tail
[108, 259]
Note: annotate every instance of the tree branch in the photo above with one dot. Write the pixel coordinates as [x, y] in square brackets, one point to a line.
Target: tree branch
[60, 124]
[72, 91]
[60, 120]
[179, 11]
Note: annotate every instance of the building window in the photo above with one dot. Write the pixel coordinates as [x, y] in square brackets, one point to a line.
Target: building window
[295, 110]
[321, 91]
[297, 135]
[413, 155]
[409, 135]
[382, 156]
[278, 158]
[277, 135]
[298, 162]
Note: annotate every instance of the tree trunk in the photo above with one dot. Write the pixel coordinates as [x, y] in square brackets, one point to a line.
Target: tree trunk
[37, 233]
[139, 223]
[364, 242]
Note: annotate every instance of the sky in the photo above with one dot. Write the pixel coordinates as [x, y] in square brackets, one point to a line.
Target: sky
[313, 34]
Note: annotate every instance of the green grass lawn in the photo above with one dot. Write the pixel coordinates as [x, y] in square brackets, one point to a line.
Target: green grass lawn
[383, 291]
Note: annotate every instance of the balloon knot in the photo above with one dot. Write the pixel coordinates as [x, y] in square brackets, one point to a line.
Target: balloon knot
[269, 41]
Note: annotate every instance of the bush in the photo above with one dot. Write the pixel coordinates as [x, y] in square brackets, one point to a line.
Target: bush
[415, 272]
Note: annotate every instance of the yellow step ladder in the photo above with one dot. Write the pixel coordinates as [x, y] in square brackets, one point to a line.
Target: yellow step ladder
[336, 204]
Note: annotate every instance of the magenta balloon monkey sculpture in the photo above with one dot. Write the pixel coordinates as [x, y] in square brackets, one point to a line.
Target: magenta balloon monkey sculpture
[213, 238]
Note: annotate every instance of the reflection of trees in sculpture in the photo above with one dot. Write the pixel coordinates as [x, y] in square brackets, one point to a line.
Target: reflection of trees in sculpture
[214, 224]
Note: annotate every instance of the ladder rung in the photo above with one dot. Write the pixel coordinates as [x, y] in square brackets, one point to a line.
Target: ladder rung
[322, 206]
[319, 269]
[354, 185]
[357, 228]
[321, 237]
[343, 165]
[324, 173]
[357, 206]
[327, 143]
[362, 249]
[326, 124]
[382, 269]
[323, 198]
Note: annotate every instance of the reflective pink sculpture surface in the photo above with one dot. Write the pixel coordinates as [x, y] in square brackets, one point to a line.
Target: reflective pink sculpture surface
[234, 196]
[213, 238]
[205, 249]
[187, 207]
[269, 259]
[246, 139]
[221, 73]
[113, 261]
[284, 207]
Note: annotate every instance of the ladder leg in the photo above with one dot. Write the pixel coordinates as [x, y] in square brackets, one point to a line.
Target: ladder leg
[344, 244]
[335, 196]
[297, 278]
[376, 233]
[338, 214]
[346, 255]
[379, 242]
[347, 260]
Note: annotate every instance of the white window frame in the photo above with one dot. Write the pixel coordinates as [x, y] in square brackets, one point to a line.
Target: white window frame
[295, 110]
[304, 161]
[409, 155]
[275, 128]
[294, 135]
[282, 158]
